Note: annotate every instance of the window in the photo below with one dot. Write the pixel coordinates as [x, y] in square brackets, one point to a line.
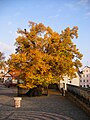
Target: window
[87, 75]
[87, 80]
[87, 86]
[83, 80]
[70, 81]
[80, 80]
[2, 72]
[83, 75]
[84, 86]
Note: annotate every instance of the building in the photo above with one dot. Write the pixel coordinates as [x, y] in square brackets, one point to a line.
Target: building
[3, 71]
[6, 77]
[82, 79]
[85, 77]
[66, 80]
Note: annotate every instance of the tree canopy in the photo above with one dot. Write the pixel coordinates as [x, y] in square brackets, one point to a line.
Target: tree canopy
[2, 60]
[44, 56]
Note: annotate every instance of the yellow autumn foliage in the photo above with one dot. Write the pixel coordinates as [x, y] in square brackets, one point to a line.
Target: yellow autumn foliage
[43, 56]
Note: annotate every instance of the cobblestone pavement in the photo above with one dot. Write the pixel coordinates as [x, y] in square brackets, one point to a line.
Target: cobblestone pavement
[51, 107]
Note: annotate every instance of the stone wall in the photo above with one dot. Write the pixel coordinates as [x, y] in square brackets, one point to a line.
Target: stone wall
[79, 96]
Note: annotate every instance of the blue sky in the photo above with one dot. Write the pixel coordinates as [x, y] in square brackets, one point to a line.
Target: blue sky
[58, 14]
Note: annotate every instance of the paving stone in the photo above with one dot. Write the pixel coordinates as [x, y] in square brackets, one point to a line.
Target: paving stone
[51, 107]
[32, 115]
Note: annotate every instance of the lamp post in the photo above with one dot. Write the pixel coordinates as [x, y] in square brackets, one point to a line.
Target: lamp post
[16, 77]
[18, 88]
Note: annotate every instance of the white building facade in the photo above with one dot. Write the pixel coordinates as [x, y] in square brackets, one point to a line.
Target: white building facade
[66, 80]
[85, 77]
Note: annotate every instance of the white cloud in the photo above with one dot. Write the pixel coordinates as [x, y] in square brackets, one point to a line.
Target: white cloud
[80, 5]
[83, 2]
[75, 5]
[59, 10]
[54, 16]
[49, 6]
[16, 14]
[88, 13]
[10, 32]
[69, 5]
[22, 8]
[9, 23]
[87, 8]
[5, 47]
[37, 6]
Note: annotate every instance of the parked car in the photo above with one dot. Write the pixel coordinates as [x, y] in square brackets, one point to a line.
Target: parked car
[9, 83]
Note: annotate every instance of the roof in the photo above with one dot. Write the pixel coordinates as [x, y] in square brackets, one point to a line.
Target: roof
[86, 67]
[7, 74]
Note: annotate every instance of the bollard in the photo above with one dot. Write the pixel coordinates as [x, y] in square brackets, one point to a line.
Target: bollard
[64, 92]
[17, 102]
